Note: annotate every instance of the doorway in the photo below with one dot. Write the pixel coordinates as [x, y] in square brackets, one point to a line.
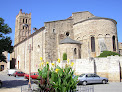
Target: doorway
[2, 67]
[18, 64]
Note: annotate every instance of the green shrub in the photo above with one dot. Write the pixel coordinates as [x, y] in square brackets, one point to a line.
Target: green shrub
[108, 53]
[64, 56]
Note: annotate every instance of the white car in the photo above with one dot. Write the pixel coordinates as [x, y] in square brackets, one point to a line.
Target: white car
[91, 78]
[11, 72]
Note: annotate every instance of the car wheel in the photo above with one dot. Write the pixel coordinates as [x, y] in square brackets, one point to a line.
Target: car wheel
[84, 83]
[0, 85]
[104, 81]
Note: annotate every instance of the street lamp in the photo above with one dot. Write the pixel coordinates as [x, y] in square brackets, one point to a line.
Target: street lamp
[29, 83]
[35, 29]
[29, 48]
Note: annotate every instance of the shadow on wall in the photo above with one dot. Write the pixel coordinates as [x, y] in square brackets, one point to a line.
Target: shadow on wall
[120, 71]
[95, 67]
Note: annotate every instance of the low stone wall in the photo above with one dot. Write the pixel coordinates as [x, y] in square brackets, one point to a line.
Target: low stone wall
[109, 67]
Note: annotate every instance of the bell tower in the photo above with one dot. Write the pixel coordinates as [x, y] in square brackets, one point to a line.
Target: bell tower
[21, 32]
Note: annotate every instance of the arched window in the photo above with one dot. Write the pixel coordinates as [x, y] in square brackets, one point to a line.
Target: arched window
[92, 44]
[26, 21]
[38, 46]
[114, 45]
[54, 31]
[67, 33]
[75, 51]
[23, 20]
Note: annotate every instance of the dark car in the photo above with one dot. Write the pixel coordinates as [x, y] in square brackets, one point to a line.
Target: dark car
[91, 78]
[0, 83]
[18, 73]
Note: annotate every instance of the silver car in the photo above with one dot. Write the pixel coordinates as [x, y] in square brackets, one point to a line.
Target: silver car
[91, 78]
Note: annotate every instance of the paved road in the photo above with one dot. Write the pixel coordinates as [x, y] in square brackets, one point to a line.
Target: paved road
[110, 87]
[14, 84]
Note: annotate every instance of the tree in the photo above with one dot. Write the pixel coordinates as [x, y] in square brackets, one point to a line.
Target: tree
[5, 41]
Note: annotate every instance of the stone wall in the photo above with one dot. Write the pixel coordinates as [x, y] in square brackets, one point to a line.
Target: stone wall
[101, 29]
[56, 31]
[109, 67]
[69, 50]
[80, 16]
[21, 52]
[3, 64]
[120, 48]
[22, 32]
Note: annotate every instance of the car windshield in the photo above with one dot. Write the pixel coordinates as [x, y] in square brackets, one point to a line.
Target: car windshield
[81, 75]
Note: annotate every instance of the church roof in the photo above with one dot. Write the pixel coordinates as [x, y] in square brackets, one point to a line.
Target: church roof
[96, 17]
[68, 40]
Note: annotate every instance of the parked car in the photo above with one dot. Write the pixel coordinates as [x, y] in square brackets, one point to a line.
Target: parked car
[34, 75]
[0, 83]
[11, 71]
[91, 78]
[18, 73]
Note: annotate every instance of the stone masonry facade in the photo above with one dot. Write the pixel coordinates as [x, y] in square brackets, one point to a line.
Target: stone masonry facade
[80, 36]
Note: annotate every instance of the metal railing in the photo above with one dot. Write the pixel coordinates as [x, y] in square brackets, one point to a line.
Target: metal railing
[85, 89]
[79, 88]
[26, 89]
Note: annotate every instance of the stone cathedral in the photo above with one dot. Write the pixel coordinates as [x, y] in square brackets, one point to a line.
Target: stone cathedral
[80, 36]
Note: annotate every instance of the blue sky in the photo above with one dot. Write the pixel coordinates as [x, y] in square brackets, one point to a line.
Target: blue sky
[49, 10]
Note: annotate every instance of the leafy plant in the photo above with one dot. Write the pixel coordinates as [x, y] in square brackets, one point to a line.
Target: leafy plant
[57, 79]
[44, 75]
[108, 53]
[63, 80]
[64, 56]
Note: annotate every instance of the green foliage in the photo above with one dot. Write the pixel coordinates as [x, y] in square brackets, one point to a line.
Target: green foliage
[44, 77]
[5, 41]
[57, 79]
[108, 53]
[43, 72]
[63, 80]
[64, 56]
